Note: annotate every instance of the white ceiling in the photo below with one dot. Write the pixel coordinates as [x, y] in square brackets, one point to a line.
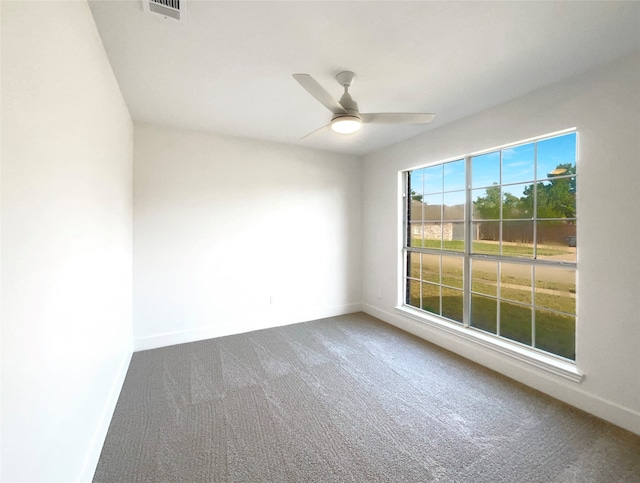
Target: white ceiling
[227, 68]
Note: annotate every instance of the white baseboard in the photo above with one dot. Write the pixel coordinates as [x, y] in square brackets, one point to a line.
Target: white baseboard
[284, 317]
[95, 448]
[570, 393]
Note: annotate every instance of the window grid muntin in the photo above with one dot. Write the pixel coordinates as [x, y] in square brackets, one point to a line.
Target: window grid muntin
[468, 255]
[422, 281]
[535, 219]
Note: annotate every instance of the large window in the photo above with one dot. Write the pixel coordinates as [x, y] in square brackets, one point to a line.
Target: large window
[490, 242]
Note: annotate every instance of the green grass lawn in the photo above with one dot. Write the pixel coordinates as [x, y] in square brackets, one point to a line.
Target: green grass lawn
[554, 332]
[489, 248]
[519, 290]
[513, 288]
[554, 300]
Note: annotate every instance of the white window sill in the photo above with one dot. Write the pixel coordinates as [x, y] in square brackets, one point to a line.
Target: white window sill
[561, 368]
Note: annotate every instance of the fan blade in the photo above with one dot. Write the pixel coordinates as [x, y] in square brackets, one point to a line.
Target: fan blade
[397, 118]
[313, 132]
[317, 91]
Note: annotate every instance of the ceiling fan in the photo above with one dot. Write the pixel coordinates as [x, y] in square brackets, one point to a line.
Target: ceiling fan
[346, 116]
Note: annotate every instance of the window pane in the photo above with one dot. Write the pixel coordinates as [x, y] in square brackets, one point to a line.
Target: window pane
[413, 265]
[486, 236]
[454, 206]
[413, 293]
[517, 164]
[452, 271]
[453, 236]
[452, 304]
[416, 230]
[484, 313]
[415, 183]
[485, 169]
[486, 203]
[556, 198]
[454, 177]
[415, 211]
[432, 235]
[431, 268]
[517, 239]
[515, 203]
[433, 179]
[556, 333]
[556, 289]
[515, 282]
[556, 153]
[433, 207]
[431, 298]
[556, 240]
[515, 322]
[484, 276]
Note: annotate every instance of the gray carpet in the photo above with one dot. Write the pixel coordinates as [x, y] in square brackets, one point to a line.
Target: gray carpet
[347, 398]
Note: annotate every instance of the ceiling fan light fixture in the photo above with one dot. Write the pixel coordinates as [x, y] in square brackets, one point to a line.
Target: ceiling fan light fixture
[346, 117]
[346, 124]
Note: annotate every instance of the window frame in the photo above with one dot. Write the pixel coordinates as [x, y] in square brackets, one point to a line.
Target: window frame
[549, 361]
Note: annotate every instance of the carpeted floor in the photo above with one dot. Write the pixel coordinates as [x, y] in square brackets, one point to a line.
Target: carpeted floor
[347, 398]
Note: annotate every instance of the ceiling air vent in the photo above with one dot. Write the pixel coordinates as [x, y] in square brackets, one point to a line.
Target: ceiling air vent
[167, 8]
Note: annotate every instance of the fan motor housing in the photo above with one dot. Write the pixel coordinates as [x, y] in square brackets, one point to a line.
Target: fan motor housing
[348, 103]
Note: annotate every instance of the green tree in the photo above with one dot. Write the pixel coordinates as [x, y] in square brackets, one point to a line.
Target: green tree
[488, 206]
[511, 206]
[556, 198]
[562, 191]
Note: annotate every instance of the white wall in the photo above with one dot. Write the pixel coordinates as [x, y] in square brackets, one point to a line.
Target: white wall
[232, 235]
[604, 105]
[66, 241]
